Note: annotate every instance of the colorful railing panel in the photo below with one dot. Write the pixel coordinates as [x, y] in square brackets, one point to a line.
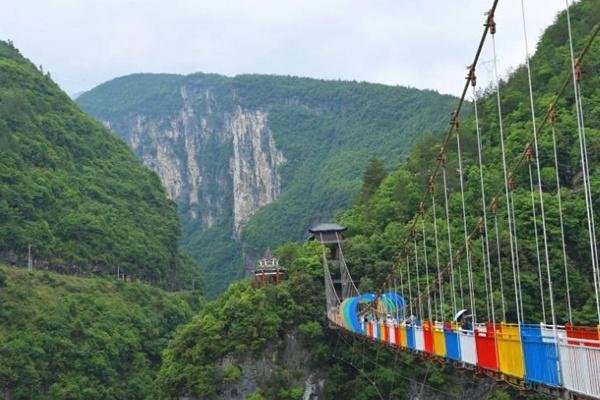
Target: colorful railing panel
[439, 341]
[428, 336]
[384, 332]
[410, 337]
[392, 334]
[510, 351]
[580, 365]
[590, 334]
[540, 352]
[403, 336]
[452, 342]
[468, 347]
[419, 338]
[485, 342]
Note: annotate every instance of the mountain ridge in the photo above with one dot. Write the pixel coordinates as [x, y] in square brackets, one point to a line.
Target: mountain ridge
[253, 160]
[73, 192]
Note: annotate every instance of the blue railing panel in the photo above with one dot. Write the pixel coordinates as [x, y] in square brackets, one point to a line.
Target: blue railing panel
[541, 358]
[410, 337]
[452, 345]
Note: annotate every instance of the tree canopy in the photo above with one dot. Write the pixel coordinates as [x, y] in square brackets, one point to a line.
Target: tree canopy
[74, 192]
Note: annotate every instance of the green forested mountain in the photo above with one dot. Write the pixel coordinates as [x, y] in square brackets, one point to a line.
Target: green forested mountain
[380, 220]
[259, 158]
[276, 339]
[74, 192]
[65, 337]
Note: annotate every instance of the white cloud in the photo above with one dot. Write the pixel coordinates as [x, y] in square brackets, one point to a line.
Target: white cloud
[425, 44]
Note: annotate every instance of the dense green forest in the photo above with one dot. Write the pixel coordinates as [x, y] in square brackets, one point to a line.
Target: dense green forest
[74, 192]
[325, 130]
[380, 220]
[243, 320]
[65, 337]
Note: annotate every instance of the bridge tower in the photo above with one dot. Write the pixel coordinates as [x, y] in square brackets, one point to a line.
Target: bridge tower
[332, 237]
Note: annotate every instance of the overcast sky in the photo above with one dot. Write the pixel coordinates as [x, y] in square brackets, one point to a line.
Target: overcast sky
[419, 43]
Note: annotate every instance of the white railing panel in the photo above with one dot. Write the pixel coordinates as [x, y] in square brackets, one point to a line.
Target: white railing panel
[548, 333]
[375, 330]
[419, 338]
[580, 366]
[468, 350]
[391, 333]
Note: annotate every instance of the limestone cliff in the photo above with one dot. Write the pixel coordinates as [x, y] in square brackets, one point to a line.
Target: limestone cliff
[253, 165]
[176, 148]
[287, 358]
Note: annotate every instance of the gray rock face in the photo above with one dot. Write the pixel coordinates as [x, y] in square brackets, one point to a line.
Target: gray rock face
[184, 151]
[217, 160]
[253, 165]
[288, 357]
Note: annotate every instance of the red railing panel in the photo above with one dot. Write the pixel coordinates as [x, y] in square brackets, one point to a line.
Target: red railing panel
[485, 343]
[583, 332]
[428, 335]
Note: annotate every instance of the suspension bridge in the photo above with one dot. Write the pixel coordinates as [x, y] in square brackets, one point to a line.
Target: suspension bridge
[429, 307]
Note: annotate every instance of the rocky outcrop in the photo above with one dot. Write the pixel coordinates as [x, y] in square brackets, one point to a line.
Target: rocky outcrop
[287, 357]
[253, 165]
[186, 152]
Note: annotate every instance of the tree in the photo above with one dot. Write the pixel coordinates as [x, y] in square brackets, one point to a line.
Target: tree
[374, 174]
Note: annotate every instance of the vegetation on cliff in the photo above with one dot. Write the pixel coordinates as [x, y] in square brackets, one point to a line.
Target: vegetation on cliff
[74, 192]
[65, 337]
[242, 321]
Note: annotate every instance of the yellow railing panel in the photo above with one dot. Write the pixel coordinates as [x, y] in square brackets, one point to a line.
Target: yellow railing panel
[439, 342]
[403, 337]
[510, 350]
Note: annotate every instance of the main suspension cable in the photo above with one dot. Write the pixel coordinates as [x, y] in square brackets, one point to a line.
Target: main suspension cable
[486, 30]
[510, 209]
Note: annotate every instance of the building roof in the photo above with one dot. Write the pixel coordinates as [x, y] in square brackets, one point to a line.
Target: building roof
[327, 228]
